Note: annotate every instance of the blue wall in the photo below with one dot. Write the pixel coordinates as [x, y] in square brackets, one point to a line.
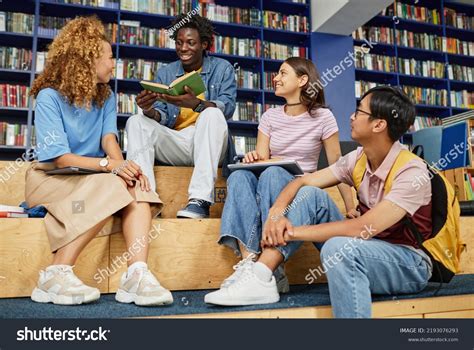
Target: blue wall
[329, 51]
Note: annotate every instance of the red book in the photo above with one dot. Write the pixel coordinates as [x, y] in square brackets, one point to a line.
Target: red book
[9, 214]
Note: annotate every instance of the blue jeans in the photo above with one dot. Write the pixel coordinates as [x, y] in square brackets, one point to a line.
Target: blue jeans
[356, 268]
[247, 204]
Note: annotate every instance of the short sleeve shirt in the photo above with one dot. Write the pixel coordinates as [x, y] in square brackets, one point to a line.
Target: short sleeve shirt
[63, 128]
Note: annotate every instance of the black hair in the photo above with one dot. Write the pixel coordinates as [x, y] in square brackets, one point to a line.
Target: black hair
[201, 24]
[394, 106]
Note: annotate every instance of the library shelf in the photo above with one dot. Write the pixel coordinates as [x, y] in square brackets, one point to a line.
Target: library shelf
[258, 64]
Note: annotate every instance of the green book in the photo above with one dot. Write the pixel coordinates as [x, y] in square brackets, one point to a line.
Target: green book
[192, 79]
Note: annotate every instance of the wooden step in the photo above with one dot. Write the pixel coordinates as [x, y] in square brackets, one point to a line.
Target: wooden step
[184, 256]
[171, 184]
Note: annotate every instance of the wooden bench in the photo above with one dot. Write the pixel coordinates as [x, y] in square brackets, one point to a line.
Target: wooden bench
[185, 255]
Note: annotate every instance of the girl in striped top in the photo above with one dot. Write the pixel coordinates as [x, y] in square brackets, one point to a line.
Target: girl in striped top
[297, 130]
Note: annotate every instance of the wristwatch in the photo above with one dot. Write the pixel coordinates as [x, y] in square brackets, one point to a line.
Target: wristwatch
[104, 162]
[200, 107]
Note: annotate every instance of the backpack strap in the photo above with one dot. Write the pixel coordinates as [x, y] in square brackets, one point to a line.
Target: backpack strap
[402, 159]
[361, 164]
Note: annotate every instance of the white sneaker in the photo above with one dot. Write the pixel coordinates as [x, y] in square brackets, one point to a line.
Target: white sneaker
[59, 285]
[142, 288]
[239, 268]
[247, 289]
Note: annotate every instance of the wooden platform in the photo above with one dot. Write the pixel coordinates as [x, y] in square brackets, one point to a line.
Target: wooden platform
[459, 306]
[184, 256]
[172, 185]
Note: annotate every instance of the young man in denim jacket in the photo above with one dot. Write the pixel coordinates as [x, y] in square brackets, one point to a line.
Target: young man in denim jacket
[187, 130]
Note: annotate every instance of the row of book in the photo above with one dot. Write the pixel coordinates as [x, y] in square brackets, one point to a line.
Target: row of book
[468, 186]
[374, 34]
[419, 40]
[458, 20]
[282, 52]
[374, 62]
[164, 7]
[361, 87]
[15, 58]
[422, 122]
[416, 40]
[13, 134]
[248, 16]
[51, 26]
[419, 95]
[459, 47]
[236, 46]
[462, 73]
[247, 79]
[15, 96]
[244, 144]
[114, 4]
[268, 80]
[430, 69]
[129, 68]
[292, 23]
[8, 211]
[247, 111]
[132, 33]
[126, 103]
[417, 13]
[462, 99]
[16, 22]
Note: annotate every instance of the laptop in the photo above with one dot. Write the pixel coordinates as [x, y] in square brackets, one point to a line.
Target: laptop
[257, 168]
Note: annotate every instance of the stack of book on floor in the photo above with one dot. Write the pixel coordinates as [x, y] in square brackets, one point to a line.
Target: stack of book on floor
[8, 211]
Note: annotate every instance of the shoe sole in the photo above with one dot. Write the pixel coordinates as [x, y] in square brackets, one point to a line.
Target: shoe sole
[242, 302]
[127, 298]
[40, 296]
[184, 214]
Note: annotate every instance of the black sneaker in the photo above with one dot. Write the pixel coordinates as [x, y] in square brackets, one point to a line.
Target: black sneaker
[196, 209]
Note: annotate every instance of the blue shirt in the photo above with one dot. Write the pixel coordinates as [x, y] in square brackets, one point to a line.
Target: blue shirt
[63, 128]
[221, 88]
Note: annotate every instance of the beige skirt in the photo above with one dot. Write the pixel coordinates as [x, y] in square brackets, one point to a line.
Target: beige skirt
[76, 203]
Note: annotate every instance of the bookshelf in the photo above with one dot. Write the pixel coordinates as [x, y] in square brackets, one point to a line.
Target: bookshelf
[435, 27]
[262, 28]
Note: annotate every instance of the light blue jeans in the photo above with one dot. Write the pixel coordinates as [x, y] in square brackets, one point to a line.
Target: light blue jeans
[356, 268]
[247, 204]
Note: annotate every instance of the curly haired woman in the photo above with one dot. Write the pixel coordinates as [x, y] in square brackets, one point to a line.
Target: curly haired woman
[76, 125]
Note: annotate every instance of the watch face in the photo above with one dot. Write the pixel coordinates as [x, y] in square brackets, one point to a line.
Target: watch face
[103, 162]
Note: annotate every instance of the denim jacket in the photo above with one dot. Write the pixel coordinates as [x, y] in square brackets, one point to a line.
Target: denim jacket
[221, 88]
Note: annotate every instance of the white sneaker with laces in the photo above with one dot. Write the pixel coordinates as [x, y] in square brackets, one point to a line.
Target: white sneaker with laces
[238, 269]
[142, 288]
[59, 285]
[247, 289]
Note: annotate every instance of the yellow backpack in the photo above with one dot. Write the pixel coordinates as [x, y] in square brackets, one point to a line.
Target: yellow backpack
[444, 246]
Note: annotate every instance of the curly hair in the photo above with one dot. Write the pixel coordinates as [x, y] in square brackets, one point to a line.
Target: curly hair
[201, 24]
[70, 66]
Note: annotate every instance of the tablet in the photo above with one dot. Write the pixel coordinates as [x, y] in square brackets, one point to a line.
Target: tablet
[72, 170]
[291, 166]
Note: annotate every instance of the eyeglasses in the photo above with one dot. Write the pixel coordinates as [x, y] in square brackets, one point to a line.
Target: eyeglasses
[361, 111]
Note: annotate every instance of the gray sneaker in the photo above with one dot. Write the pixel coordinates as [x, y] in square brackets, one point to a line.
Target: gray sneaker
[282, 281]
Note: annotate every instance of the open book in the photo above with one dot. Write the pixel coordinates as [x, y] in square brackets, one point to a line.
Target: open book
[291, 166]
[176, 88]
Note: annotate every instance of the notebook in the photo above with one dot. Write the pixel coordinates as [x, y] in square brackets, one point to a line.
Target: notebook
[72, 170]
